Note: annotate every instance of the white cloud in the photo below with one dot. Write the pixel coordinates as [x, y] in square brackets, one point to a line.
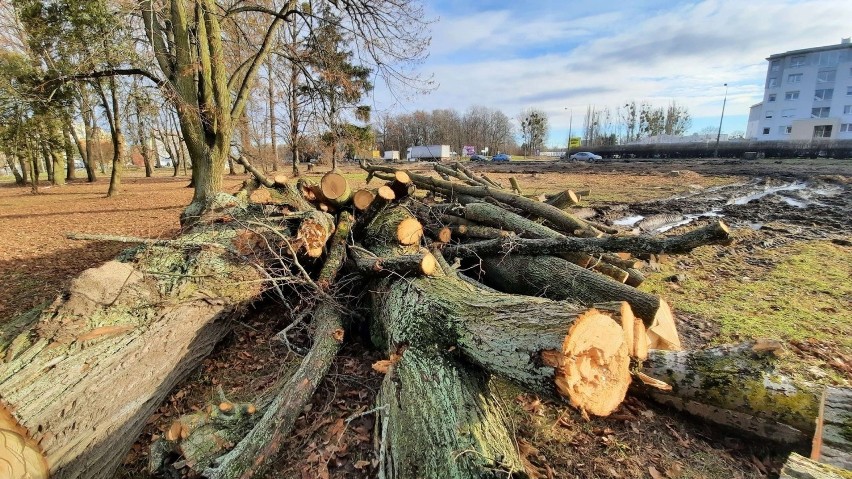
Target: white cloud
[685, 54]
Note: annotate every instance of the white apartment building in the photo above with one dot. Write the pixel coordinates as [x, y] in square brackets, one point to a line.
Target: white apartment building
[808, 96]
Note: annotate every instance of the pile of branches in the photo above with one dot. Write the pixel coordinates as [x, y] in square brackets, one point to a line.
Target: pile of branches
[463, 278]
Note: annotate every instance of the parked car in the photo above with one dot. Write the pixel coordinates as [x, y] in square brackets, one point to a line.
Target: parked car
[478, 158]
[500, 157]
[586, 156]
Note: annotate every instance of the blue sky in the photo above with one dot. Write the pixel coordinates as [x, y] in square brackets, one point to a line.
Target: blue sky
[560, 56]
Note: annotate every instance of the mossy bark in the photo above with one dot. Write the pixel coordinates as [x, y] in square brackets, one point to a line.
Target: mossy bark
[504, 333]
[833, 439]
[438, 419]
[736, 386]
[559, 279]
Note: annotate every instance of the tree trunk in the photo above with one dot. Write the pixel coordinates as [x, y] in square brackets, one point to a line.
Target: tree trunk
[273, 138]
[559, 279]
[737, 386]
[24, 164]
[48, 160]
[82, 381]
[71, 170]
[437, 418]
[551, 347]
[88, 157]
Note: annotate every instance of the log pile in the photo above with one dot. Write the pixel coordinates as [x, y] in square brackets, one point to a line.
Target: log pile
[465, 280]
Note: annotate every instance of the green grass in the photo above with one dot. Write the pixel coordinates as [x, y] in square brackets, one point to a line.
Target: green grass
[805, 295]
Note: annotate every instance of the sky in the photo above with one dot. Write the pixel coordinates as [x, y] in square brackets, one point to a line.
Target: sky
[561, 56]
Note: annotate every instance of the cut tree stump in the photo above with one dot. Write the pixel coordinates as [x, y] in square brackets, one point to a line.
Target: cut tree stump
[832, 442]
[84, 378]
[737, 386]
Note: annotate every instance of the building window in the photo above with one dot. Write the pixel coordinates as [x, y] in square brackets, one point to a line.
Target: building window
[794, 78]
[773, 82]
[773, 96]
[829, 59]
[846, 127]
[769, 114]
[785, 130]
[849, 91]
[827, 76]
[766, 131]
[791, 95]
[820, 112]
[823, 94]
[774, 66]
[797, 61]
[822, 131]
[788, 113]
[847, 109]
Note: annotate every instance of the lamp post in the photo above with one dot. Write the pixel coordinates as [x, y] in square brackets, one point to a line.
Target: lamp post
[570, 122]
[719, 134]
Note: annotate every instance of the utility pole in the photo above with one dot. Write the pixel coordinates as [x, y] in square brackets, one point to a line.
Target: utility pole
[719, 134]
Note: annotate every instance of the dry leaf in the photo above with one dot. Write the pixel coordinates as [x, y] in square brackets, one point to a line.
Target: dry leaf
[654, 472]
[382, 366]
[361, 464]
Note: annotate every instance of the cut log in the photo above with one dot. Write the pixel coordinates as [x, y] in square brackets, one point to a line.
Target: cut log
[559, 279]
[437, 418]
[561, 220]
[445, 234]
[564, 200]
[336, 252]
[715, 233]
[362, 199]
[635, 277]
[800, 467]
[335, 188]
[82, 382]
[737, 386]
[422, 263]
[384, 195]
[613, 272]
[832, 442]
[401, 185]
[476, 231]
[551, 347]
[314, 230]
[516, 187]
[393, 232]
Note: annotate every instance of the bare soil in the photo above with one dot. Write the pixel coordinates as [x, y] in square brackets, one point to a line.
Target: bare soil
[639, 440]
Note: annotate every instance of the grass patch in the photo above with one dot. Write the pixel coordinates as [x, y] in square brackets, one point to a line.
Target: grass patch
[805, 295]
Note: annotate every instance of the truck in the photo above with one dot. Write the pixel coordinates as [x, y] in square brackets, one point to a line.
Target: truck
[391, 155]
[428, 153]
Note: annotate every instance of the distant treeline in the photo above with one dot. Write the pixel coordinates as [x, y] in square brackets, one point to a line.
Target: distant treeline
[730, 149]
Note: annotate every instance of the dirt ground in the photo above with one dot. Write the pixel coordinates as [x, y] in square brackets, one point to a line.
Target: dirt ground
[786, 276]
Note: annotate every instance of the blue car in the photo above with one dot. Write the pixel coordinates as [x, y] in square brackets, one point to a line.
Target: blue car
[500, 157]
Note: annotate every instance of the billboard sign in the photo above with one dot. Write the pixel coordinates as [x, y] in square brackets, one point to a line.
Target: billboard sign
[469, 150]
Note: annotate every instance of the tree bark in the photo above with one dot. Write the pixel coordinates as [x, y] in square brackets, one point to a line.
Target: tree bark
[143, 324]
[437, 418]
[737, 386]
[84, 379]
[547, 346]
[559, 279]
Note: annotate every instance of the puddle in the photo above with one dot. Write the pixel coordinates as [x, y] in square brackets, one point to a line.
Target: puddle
[768, 190]
[688, 219]
[629, 220]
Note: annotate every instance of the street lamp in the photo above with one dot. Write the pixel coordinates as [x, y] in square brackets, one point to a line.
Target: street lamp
[570, 122]
[719, 134]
